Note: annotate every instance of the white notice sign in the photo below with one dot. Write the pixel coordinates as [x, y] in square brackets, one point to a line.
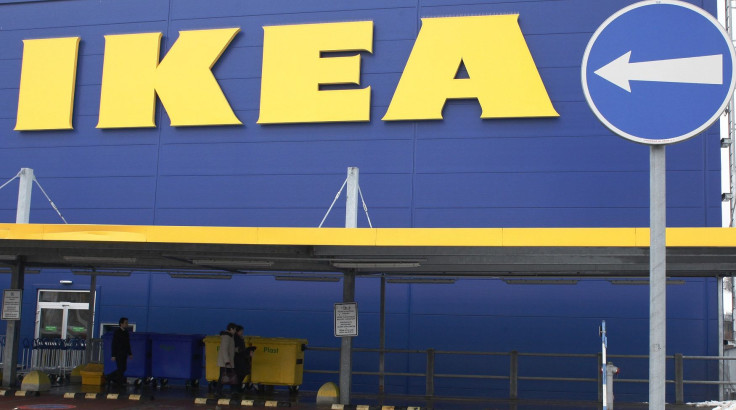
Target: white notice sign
[346, 319]
[11, 304]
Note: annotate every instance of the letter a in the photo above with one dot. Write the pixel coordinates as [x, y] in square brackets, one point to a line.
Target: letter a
[502, 73]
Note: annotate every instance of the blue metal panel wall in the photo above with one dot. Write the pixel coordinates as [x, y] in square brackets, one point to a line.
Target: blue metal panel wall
[460, 172]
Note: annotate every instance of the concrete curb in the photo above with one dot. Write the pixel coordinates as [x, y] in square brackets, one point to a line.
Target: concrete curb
[367, 407]
[19, 393]
[242, 402]
[106, 396]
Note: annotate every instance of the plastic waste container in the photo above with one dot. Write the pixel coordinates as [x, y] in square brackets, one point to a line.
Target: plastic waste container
[92, 374]
[139, 366]
[211, 347]
[277, 361]
[176, 357]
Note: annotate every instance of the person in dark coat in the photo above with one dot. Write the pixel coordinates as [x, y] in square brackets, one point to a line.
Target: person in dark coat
[120, 351]
[243, 356]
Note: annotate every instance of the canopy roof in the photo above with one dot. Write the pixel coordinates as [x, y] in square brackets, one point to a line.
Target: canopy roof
[395, 252]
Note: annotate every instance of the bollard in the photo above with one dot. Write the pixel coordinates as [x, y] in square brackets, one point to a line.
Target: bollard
[610, 371]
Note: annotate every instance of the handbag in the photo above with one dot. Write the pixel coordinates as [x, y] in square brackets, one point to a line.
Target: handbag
[229, 377]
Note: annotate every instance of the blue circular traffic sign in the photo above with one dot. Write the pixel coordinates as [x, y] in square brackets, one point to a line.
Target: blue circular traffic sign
[659, 71]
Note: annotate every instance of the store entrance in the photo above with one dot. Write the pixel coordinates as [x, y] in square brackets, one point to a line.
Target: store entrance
[62, 314]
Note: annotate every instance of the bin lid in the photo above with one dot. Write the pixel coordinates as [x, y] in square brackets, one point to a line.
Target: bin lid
[93, 368]
[176, 336]
[212, 339]
[275, 340]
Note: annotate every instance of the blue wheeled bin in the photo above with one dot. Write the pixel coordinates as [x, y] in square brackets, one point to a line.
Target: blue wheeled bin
[139, 366]
[177, 357]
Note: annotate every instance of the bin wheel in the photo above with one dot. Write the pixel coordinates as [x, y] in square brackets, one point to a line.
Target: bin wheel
[293, 389]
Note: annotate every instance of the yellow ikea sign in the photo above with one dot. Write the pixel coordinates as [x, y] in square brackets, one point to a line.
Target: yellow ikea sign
[502, 75]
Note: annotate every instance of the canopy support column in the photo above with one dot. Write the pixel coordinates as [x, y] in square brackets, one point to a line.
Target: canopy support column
[91, 320]
[12, 329]
[348, 289]
[346, 348]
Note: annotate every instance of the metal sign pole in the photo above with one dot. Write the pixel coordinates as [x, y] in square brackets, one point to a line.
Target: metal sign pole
[628, 69]
[604, 346]
[657, 276]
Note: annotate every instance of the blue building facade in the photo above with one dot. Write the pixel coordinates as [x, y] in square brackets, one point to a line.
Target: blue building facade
[456, 172]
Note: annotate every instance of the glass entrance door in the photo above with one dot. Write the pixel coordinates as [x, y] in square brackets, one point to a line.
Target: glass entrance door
[62, 314]
[49, 323]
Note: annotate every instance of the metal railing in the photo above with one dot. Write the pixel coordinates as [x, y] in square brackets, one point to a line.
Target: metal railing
[514, 376]
[59, 357]
[56, 357]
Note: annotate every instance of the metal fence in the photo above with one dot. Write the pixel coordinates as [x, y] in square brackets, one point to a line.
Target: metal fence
[513, 376]
[58, 357]
[55, 357]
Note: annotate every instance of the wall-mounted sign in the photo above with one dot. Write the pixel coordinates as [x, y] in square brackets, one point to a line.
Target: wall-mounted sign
[11, 304]
[346, 319]
[502, 75]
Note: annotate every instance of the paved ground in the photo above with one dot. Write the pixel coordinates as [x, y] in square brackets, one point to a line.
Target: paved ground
[177, 397]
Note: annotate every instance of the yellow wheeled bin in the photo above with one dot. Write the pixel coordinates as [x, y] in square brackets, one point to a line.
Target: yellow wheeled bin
[211, 350]
[212, 370]
[277, 361]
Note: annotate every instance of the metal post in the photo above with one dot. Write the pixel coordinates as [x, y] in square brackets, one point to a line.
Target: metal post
[721, 337]
[604, 368]
[90, 323]
[679, 376]
[610, 371]
[348, 289]
[514, 375]
[351, 203]
[657, 276]
[348, 295]
[600, 378]
[430, 373]
[25, 187]
[12, 330]
[382, 341]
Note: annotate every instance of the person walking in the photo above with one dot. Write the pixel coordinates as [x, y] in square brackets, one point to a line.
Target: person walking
[120, 352]
[243, 357]
[226, 358]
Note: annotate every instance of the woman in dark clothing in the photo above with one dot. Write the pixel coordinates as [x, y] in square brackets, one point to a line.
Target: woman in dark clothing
[242, 356]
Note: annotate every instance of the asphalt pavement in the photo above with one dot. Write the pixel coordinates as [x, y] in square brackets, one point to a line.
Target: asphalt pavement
[179, 397]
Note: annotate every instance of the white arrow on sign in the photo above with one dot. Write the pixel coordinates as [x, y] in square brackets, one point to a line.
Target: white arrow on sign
[693, 70]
